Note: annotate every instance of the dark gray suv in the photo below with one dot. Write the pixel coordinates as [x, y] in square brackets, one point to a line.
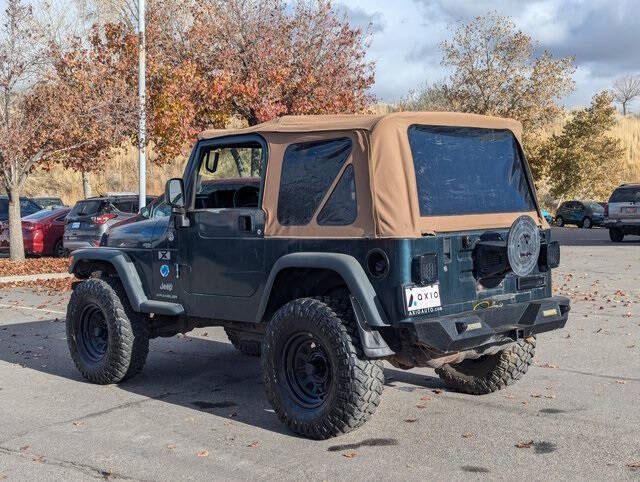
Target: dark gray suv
[91, 218]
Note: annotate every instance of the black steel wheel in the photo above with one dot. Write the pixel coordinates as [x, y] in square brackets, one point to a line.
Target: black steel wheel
[587, 223]
[108, 341]
[308, 369]
[316, 377]
[92, 334]
[559, 221]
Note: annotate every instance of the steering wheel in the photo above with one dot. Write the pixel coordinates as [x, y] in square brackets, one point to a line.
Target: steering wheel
[246, 197]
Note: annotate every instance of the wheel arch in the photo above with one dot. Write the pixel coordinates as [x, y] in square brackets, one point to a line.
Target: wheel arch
[335, 267]
[115, 262]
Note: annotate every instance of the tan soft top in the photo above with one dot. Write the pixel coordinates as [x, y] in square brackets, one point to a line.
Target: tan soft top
[385, 176]
[322, 123]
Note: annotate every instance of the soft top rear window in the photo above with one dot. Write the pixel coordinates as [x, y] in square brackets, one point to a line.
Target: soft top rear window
[469, 170]
[86, 208]
[625, 195]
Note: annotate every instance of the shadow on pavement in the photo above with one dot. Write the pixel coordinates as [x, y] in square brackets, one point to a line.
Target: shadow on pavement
[204, 375]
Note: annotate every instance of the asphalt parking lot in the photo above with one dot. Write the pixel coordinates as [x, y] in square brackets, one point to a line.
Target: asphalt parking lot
[198, 409]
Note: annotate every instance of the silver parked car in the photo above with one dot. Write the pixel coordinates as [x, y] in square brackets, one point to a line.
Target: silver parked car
[622, 215]
[91, 218]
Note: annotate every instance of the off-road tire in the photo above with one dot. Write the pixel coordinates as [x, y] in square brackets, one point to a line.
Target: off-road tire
[356, 384]
[616, 235]
[243, 345]
[559, 221]
[128, 332]
[490, 373]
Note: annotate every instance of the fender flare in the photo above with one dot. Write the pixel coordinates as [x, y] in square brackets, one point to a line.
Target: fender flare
[368, 311]
[128, 277]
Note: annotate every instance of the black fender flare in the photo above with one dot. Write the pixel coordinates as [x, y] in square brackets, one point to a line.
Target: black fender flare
[129, 278]
[369, 313]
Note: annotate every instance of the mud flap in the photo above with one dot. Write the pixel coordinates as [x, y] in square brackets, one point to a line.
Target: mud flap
[373, 345]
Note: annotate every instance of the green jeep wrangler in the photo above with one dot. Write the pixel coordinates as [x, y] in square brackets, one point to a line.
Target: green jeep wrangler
[327, 244]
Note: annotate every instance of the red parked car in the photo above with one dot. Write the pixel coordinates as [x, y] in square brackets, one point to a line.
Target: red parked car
[41, 231]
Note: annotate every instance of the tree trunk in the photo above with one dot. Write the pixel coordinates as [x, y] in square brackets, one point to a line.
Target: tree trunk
[86, 185]
[16, 249]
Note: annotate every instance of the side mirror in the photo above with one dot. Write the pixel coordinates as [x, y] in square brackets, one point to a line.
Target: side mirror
[174, 193]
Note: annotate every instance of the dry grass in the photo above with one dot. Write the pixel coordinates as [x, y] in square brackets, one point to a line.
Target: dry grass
[122, 174]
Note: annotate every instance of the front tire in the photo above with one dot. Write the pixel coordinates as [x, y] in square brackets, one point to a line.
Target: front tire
[108, 341]
[586, 223]
[559, 221]
[490, 373]
[316, 378]
[616, 235]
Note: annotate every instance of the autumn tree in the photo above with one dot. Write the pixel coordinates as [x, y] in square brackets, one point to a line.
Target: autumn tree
[625, 90]
[304, 60]
[427, 98]
[586, 162]
[49, 115]
[496, 70]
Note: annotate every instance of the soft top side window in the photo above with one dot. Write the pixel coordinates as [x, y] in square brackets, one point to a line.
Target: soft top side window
[308, 170]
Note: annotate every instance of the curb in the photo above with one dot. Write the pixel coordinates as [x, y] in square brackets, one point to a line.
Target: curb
[34, 277]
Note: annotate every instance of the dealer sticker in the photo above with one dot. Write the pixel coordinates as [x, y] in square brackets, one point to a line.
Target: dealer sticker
[422, 299]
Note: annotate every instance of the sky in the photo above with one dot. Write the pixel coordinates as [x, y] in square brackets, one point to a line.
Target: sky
[604, 37]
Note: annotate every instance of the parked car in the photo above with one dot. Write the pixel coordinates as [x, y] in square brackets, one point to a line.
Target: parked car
[42, 233]
[27, 206]
[49, 202]
[547, 216]
[91, 218]
[623, 212]
[584, 214]
[365, 238]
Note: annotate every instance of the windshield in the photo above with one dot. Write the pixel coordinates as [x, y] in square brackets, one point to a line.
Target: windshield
[86, 208]
[465, 170]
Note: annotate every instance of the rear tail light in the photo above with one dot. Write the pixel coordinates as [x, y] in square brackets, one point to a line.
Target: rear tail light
[103, 218]
[549, 256]
[425, 269]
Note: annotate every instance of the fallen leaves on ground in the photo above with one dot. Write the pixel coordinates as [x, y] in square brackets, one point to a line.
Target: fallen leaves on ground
[33, 266]
[50, 286]
[253, 444]
[621, 382]
[203, 453]
[411, 420]
[634, 465]
[350, 455]
[524, 445]
[468, 435]
[171, 446]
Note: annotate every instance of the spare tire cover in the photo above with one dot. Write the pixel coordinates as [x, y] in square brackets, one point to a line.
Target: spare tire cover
[523, 245]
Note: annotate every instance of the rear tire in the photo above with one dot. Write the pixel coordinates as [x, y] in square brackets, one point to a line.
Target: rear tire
[586, 223]
[108, 341]
[616, 235]
[59, 251]
[490, 373]
[559, 221]
[316, 377]
[243, 345]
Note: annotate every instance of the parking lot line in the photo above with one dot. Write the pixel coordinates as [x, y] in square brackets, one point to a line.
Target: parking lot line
[18, 307]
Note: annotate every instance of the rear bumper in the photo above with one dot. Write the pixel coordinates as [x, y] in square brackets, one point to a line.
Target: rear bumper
[471, 329]
[620, 223]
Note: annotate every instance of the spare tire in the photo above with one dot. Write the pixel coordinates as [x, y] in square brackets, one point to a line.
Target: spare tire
[523, 245]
